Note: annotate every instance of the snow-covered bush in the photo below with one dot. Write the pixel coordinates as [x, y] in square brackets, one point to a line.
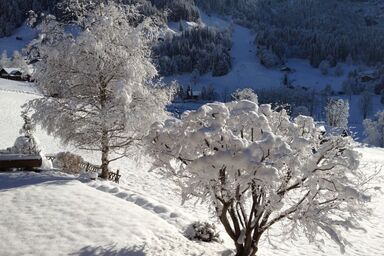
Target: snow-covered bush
[259, 169]
[287, 96]
[374, 130]
[68, 162]
[245, 94]
[268, 58]
[27, 143]
[203, 231]
[337, 111]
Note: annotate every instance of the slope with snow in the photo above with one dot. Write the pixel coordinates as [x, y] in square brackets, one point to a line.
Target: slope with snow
[52, 213]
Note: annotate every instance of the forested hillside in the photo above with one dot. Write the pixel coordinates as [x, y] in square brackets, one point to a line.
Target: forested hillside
[14, 12]
[317, 30]
[201, 49]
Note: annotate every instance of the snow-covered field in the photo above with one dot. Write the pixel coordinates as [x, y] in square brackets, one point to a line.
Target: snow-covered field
[52, 214]
[56, 214]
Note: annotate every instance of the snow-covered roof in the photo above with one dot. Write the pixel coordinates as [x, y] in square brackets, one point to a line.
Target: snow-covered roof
[12, 70]
[196, 93]
[368, 73]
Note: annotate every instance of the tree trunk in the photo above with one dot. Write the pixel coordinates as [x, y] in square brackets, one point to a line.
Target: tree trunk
[244, 251]
[104, 134]
[104, 155]
[250, 245]
[248, 248]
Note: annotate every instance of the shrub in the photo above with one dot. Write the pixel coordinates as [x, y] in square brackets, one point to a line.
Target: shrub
[245, 94]
[374, 130]
[203, 231]
[68, 162]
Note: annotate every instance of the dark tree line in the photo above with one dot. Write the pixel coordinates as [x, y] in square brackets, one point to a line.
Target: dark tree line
[14, 12]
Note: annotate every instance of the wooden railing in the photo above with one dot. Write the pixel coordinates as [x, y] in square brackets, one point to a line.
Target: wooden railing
[88, 167]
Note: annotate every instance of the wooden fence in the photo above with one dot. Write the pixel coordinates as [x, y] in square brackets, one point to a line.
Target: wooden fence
[88, 167]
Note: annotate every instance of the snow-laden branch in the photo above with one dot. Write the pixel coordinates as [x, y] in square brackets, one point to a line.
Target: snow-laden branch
[260, 168]
[101, 86]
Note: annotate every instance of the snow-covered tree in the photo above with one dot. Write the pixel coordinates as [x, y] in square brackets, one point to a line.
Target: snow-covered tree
[18, 61]
[245, 94]
[195, 76]
[73, 11]
[51, 32]
[337, 111]
[339, 70]
[5, 62]
[324, 67]
[268, 58]
[374, 130]
[99, 87]
[258, 169]
[366, 103]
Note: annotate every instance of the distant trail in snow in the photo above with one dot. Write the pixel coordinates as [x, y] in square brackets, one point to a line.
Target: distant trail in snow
[18, 86]
[20, 91]
[246, 68]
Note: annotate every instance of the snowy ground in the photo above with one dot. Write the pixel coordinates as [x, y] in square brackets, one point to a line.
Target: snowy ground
[10, 44]
[51, 214]
[56, 214]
